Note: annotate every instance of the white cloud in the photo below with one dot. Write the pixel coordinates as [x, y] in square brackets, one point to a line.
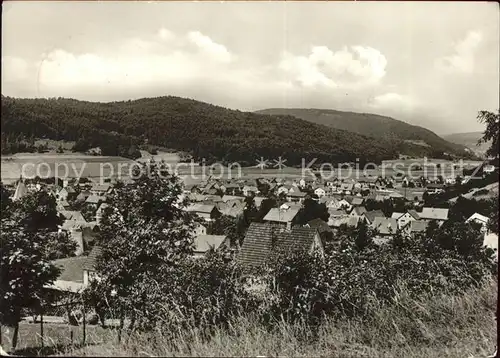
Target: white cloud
[393, 101]
[14, 69]
[212, 48]
[135, 64]
[165, 34]
[462, 60]
[346, 68]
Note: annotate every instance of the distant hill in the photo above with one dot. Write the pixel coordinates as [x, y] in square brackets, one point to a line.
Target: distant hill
[413, 140]
[469, 140]
[206, 131]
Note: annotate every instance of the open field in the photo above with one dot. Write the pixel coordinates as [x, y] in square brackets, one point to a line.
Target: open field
[487, 192]
[74, 165]
[56, 337]
[68, 164]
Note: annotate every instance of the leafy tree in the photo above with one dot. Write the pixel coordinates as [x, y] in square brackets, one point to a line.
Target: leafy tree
[27, 244]
[493, 217]
[491, 133]
[267, 204]
[145, 235]
[37, 211]
[312, 209]
[41, 148]
[5, 200]
[363, 237]
[212, 292]
[229, 226]
[25, 270]
[250, 212]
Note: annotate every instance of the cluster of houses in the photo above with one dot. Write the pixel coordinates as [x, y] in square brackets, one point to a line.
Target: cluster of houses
[211, 199]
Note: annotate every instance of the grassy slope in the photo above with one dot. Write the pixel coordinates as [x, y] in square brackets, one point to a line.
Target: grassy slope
[439, 326]
[368, 124]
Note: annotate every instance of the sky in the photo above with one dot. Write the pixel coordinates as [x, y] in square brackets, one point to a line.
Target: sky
[434, 64]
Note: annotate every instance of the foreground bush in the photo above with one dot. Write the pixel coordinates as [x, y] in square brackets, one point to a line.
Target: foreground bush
[432, 325]
[345, 282]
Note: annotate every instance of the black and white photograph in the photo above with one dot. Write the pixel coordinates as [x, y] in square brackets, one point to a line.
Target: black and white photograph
[249, 179]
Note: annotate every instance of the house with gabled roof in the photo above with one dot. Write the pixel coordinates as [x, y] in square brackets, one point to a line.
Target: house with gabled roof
[344, 204]
[89, 266]
[95, 199]
[282, 216]
[213, 198]
[191, 188]
[21, 190]
[258, 201]
[297, 196]
[415, 227]
[205, 243]
[287, 188]
[414, 214]
[349, 221]
[354, 200]
[208, 187]
[227, 198]
[320, 191]
[347, 188]
[212, 191]
[330, 202]
[404, 218]
[231, 188]
[480, 219]
[100, 212]
[196, 197]
[437, 214]
[209, 212]
[62, 205]
[101, 189]
[233, 208]
[370, 181]
[384, 227]
[67, 193]
[336, 213]
[72, 215]
[358, 211]
[81, 232]
[249, 190]
[320, 225]
[262, 240]
[370, 216]
[71, 278]
[76, 272]
[83, 195]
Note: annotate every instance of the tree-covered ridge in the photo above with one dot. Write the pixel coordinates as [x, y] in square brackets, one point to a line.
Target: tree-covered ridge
[376, 126]
[205, 130]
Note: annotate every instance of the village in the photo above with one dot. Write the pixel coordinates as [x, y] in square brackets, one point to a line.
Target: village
[349, 202]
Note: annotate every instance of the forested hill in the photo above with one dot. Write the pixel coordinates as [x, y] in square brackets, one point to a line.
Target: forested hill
[376, 126]
[205, 130]
[469, 140]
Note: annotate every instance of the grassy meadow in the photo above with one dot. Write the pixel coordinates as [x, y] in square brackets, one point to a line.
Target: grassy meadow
[93, 167]
[433, 326]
